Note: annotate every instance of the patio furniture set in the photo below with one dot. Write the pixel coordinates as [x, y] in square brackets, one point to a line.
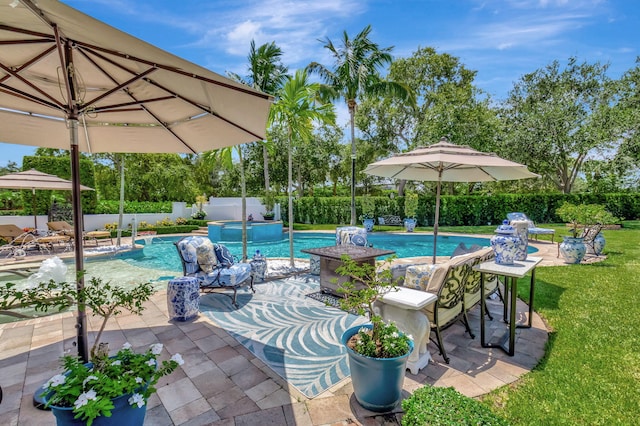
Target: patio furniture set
[58, 236]
[430, 298]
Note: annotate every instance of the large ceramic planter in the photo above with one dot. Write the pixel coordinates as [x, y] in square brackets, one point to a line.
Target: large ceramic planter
[573, 249]
[597, 245]
[409, 224]
[368, 224]
[377, 382]
[122, 414]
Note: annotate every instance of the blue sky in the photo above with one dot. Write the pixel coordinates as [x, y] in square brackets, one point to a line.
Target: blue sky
[500, 39]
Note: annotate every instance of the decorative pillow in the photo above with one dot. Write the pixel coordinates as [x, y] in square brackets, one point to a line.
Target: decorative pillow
[418, 276]
[206, 257]
[463, 249]
[224, 255]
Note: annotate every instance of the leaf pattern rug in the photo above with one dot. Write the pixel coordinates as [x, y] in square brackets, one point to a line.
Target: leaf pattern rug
[297, 336]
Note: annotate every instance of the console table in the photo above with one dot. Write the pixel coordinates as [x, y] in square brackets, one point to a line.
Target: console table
[330, 256]
[519, 269]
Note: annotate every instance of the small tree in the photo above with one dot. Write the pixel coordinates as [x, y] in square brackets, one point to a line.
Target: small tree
[410, 205]
[587, 216]
[368, 283]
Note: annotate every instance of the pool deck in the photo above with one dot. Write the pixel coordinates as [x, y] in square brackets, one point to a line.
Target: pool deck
[222, 383]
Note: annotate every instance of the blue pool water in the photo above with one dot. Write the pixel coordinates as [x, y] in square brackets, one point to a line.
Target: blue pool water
[160, 252]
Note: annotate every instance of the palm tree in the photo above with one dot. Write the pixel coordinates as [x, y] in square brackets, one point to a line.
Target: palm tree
[267, 74]
[297, 107]
[355, 74]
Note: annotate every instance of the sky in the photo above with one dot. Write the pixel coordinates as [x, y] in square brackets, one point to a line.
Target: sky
[500, 39]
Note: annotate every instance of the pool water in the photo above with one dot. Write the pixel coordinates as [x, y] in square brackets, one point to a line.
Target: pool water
[160, 252]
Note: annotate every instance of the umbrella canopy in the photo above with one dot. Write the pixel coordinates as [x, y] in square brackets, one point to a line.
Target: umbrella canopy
[447, 162]
[33, 179]
[70, 81]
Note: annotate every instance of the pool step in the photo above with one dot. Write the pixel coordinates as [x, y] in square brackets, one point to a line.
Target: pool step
[201, 231]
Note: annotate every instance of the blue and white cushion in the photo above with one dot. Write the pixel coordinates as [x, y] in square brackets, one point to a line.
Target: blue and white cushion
[224, 255]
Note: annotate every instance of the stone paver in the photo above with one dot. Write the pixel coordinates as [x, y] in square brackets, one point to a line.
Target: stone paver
[226, 385]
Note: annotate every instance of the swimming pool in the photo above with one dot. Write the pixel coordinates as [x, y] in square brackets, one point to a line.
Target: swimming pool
[160, 252]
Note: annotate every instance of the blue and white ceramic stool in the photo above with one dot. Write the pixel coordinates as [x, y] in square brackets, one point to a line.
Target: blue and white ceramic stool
[183, 298]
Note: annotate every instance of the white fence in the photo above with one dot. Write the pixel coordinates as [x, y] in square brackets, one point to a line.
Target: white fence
[216, 209]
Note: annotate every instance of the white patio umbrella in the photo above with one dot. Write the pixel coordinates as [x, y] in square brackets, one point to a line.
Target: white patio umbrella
[447, 162]
[33, 179]
[70, 81]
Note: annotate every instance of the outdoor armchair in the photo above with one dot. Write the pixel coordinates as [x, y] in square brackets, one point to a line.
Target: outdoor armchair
[213, 266]
[532, 228]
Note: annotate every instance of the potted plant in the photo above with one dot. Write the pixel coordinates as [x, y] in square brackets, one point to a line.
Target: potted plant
[585, 222]
[269, 201]
[410, 210]
[109, 389]
[367, 216]
[378, 351]
[200, 214]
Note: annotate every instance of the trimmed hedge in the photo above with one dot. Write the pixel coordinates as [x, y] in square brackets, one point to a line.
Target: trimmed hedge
[113, 207]
[176, 229]
[460, 210]
[432, 405]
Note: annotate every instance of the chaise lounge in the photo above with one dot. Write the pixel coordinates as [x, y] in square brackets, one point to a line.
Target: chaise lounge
[532, 229]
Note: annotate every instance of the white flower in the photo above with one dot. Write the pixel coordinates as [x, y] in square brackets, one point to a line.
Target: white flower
[136, 399]
[177, 358]
[126, 345]
[84, 398]
[156, 349]
[56, 380]
[139, 380]
[88, 379]
[116, 362]
[151, 362]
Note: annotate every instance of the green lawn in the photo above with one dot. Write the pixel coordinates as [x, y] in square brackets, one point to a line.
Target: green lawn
[591, 372]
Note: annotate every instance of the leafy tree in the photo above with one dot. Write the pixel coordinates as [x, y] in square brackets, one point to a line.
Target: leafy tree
[356, 73]
[555, 117]
[268, 74]
[448, 104]
[298, 106]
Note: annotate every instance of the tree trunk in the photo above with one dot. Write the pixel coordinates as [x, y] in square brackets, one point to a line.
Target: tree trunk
[352, 113]
[289, 192]
[265, 160]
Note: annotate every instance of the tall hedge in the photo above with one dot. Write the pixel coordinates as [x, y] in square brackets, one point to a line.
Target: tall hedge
[61, 167]
[461, 210]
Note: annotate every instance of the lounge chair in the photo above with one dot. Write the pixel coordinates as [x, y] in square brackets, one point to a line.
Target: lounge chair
[213, 265]
[16, 238]
[532, 229]
[62, 227]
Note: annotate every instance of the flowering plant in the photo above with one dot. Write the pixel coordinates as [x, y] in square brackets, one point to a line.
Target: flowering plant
[89, 388]
[367, 283]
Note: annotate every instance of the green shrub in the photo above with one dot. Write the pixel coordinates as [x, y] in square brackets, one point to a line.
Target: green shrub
[431, 405]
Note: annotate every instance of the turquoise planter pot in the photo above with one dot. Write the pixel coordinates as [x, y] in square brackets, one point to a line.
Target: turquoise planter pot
[122, 414]
[377, 382]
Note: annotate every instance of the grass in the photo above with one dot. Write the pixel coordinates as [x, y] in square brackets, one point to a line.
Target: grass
[591, 371]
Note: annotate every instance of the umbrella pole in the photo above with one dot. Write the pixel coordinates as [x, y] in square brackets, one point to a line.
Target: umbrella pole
[33, 206]
[81, 321]
[437, 218]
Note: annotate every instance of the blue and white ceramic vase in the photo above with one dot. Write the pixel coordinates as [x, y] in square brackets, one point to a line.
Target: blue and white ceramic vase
[368, 224]
[258, 266]
[409, 224]
[521, 228]
[505, 244]
[597, 245]
[573, 249]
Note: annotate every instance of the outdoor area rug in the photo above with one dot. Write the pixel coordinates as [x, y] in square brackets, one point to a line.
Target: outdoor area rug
[297, 336]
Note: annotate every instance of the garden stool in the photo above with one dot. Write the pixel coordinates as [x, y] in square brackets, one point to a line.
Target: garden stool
[183, 298]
